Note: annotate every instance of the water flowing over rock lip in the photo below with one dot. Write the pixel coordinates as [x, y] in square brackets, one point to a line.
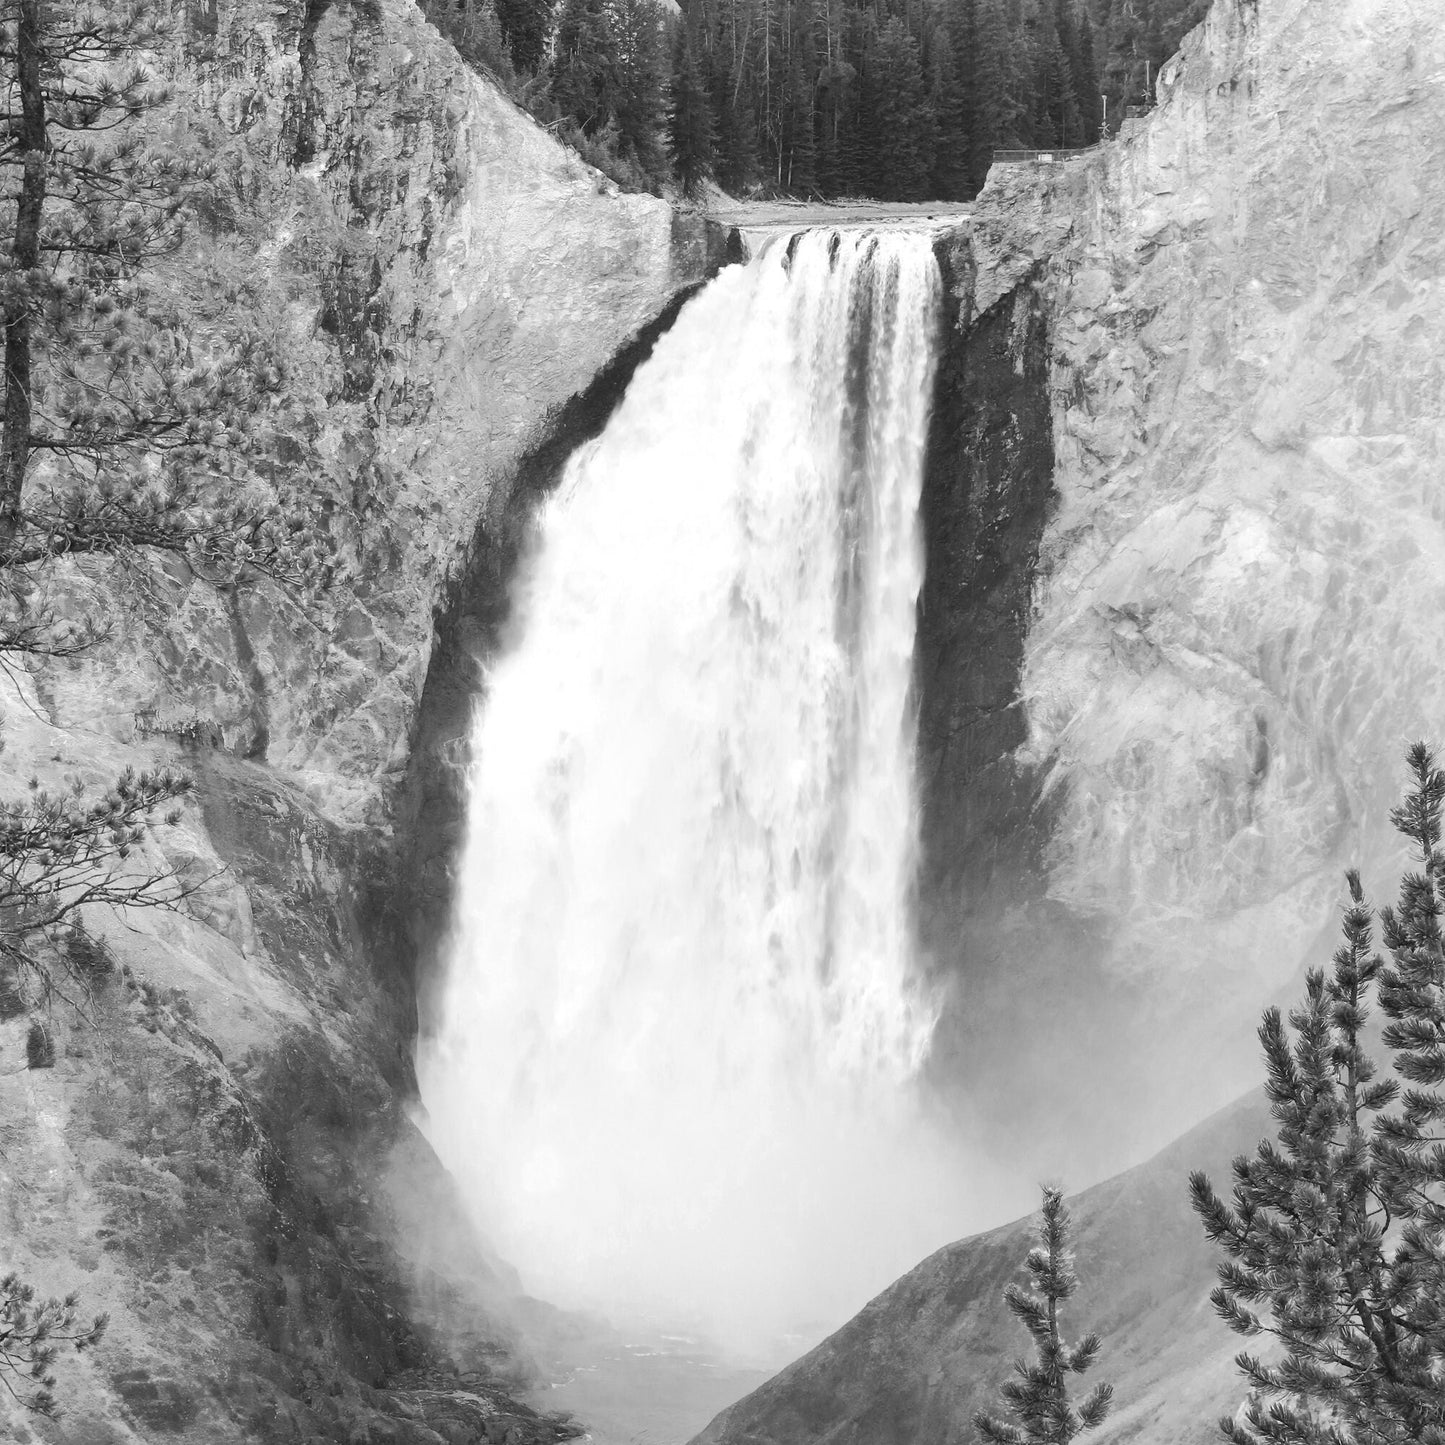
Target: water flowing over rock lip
[754, 223]
[835, 343]
[820, 215]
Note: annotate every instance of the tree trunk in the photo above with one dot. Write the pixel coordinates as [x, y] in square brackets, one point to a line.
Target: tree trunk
[24, 256]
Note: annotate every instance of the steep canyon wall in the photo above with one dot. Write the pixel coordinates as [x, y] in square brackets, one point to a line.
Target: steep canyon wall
[1226, 648]
[441, 277]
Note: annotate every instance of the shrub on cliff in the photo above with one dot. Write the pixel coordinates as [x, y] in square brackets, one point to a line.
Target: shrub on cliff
[1038, 1396]
[1335, 1236]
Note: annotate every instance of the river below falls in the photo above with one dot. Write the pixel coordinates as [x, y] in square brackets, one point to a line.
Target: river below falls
[661, 1391]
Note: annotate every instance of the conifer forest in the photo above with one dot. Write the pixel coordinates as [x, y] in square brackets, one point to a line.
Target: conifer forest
[902, 100]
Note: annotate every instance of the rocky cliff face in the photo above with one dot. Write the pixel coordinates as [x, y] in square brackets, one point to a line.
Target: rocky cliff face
[1248, 417]
[1228, 325]
[221, 1153]
[441, 278]
[1223, 650]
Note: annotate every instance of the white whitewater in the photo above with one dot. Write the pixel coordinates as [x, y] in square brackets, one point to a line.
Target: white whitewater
[680, 1022]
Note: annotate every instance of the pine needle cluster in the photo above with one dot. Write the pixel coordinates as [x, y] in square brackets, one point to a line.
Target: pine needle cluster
[61, 853]
[1038, 1395]
[32, 1331]
[1334, 1239]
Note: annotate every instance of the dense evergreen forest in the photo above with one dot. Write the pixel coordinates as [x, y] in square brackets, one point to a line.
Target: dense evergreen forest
[896, 99]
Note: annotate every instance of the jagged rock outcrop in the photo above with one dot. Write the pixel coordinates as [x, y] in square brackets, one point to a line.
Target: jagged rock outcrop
[1226, 658]
[221, 1154]
[1245, 373]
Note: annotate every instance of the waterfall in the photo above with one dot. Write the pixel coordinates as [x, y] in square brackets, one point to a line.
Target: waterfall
[680, 1023]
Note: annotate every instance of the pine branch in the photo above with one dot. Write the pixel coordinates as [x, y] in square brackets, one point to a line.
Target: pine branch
[31, 1332]
[1038, 1395]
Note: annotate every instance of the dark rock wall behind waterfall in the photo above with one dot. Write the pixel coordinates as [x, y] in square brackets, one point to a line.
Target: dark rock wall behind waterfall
[987, 928]
[986, 492]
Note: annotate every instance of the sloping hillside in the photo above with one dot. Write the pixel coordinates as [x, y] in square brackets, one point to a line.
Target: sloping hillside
[913, 1365]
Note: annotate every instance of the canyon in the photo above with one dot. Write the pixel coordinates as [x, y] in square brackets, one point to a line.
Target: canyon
[1183, 542]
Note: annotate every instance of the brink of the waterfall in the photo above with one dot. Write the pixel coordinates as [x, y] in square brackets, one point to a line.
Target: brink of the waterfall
[681, 1020]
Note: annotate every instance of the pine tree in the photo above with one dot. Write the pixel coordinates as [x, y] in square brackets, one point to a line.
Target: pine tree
[1084, 68]
[735, 152]
[902, 134]
[949, 177]
[121, 429]
[832, 103]
[800, 151]
[640, 104]
[1055, 118]
[690, 134]
[584, 74]
[1038, 1396]
[525, 24]
[993, 114]
[58, 856]
[1335, 1236]
[475, 28]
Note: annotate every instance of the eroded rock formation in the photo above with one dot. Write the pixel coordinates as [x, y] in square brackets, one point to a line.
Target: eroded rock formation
[1222, 651]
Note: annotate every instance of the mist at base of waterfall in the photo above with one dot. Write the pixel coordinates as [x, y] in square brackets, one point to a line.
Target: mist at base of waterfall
[650, 1389]
[681, 1029]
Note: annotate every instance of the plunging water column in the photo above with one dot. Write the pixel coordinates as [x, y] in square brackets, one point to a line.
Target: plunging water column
[680, 1018]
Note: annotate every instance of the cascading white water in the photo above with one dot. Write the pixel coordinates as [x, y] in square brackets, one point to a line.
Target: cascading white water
[680, 1025]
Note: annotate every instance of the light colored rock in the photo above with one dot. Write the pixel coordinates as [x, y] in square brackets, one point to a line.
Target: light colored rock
[1234, 631]
[441, 276]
